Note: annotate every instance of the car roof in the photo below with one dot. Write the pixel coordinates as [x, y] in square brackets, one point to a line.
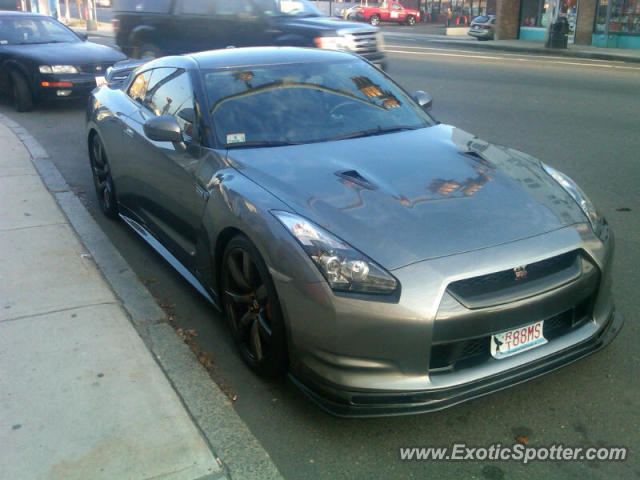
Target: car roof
[236, 57]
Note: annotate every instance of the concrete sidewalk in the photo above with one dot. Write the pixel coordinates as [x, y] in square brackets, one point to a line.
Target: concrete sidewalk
[434, 34]
[80, 395]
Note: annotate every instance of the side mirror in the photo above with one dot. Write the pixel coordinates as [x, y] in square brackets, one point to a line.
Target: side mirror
[84, 37]
[423, 99]
[163, 128]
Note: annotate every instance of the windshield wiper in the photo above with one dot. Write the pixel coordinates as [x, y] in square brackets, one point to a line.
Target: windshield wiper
[263, 143]
[373, 131]
[39, 43]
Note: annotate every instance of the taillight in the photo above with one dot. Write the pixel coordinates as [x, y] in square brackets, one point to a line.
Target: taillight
[115, 23]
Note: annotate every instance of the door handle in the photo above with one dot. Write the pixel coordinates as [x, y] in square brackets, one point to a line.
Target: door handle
[128, 131]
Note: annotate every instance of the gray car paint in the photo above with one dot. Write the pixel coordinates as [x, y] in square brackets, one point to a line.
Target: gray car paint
[368, 345]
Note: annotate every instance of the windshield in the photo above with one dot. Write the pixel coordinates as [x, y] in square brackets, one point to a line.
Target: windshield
[307, 102]
[295, 8]
[33, 30]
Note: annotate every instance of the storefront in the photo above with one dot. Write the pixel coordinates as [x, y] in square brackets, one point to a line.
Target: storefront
[535, 16]
[617, 24]
[601, 23]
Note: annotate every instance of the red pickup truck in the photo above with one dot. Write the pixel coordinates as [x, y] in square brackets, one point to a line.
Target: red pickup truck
[387, 11]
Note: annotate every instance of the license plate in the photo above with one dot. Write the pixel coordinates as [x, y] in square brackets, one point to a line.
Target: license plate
[517, 340]
[100, 81]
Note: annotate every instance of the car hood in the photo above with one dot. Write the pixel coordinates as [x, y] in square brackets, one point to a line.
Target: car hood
[66, 53]
[324, 23]
[413, 195]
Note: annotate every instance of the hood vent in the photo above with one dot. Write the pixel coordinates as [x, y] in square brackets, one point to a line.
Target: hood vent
[354, 177]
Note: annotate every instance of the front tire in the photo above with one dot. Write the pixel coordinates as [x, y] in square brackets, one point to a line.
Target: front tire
[252, 307]
[22, 96]
[411, 20]
[374, 20]
[102, 179]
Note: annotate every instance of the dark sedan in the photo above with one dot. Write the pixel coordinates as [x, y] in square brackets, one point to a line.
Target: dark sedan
[42, 59]
[390, 262]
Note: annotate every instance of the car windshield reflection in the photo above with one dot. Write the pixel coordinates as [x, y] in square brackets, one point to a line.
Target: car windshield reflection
[274, 105]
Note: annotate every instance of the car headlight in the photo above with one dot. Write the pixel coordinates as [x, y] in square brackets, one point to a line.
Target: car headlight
[345, 268]
[58, 69]
[596, 220]
[331, 43]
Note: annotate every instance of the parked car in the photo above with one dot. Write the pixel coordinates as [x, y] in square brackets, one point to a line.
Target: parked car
[149, 29]
[390, 262]
[42, 59]
[15, 5]
[387, 11]
[483, 27]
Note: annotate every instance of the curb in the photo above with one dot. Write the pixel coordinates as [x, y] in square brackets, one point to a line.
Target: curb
[538, 51]
[237, 450]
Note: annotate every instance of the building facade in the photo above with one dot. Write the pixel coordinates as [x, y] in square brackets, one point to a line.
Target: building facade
[602, 23]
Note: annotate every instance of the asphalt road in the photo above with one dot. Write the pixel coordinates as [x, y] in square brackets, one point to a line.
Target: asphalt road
[578, 115]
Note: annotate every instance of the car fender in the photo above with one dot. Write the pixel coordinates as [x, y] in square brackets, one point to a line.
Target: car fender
[293, 40]
[236, 204]
[11, 64]
[141, 34]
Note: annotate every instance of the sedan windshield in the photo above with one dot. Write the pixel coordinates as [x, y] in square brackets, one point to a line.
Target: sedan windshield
[284, 104]
[33, 30]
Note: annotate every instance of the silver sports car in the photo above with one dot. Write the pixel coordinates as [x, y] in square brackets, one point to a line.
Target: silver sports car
[390, 263]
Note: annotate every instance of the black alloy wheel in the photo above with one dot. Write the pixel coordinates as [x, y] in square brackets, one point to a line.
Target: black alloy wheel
[374, 19]
[102, 180]
[252, 308]
[411, 20]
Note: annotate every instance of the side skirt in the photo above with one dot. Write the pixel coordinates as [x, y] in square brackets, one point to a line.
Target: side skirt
[168, 256]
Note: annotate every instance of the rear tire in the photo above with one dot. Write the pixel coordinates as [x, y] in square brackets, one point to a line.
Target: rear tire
[148, 50]
[22, 97]
[374, 20]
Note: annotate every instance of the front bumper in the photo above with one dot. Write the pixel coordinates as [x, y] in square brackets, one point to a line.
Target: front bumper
[357, 357]
[81, 85]
[344, 403]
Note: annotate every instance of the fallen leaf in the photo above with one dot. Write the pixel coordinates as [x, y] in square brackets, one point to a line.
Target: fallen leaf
[522, 439]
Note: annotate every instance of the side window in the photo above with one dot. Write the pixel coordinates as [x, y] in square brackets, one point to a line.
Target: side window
[197, 7]
[234, 7]
[138, 87]
[395, 6]
[172, 94]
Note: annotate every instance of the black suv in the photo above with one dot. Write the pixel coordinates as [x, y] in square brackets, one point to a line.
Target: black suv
[152, 28]
[14, 5]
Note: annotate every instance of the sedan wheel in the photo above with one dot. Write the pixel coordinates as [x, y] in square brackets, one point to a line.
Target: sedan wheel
[411, 20]
[252, 308]
[374, 20]
[102, 180]
[22, 97]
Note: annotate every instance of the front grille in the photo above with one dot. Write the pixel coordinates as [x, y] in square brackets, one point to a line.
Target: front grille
[495, 285]
[361, 42]
[94, 68]
[447, 357]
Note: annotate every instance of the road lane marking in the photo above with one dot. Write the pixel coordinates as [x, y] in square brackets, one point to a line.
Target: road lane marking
[506, 54]
[527, 60]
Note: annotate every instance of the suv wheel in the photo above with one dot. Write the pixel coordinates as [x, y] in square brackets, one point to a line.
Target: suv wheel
[148, 50]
